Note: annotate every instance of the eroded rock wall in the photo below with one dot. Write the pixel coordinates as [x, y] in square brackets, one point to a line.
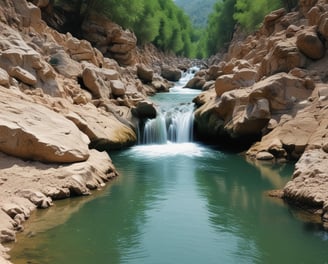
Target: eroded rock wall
[273, 85]
[63, 103]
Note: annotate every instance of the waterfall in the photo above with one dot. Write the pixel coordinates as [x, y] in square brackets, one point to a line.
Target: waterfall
[174, 121]
[174, 126]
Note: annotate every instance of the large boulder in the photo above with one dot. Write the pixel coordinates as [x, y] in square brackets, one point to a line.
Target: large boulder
[118, 88]
[144, 73]
[242, 112]
[309, 183]
[32, 131]
[323, 25]
[144, 110]
[283, 57]
[106, 128]
[171, 74]
[225, 83]
[96, 85]
[309, 43]
[64, 64]
[196, 83]
[306, 130]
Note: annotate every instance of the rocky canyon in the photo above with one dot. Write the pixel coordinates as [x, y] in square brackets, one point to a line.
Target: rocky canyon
[66, 102]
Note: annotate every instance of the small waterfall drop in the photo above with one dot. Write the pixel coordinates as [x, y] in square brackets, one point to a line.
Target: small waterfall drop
[174, 121]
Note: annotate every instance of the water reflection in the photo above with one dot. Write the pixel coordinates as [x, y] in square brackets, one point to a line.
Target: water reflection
[181, 204]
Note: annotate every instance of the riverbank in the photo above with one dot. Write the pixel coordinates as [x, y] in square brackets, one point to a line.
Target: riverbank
[273, 86]
[26, 186]
[64, 102]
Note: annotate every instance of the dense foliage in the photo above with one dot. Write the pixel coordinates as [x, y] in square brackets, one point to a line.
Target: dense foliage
[158, 21]
[164, 24]
[244, 13]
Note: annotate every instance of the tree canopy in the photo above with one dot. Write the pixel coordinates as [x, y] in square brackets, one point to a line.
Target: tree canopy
[246, 14]
[161, 22]
[167, 26]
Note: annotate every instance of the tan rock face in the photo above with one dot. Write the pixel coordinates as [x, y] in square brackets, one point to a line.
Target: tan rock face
[145, 73]
[309, 44]
[171, 74]
[4, 78]
[247, 111]
[196, 83]
[309, 184]
[225, 83]
[97, 86]
[26, 186]
[118, 88]
[283, 57]
[25, 64]
[111, 39]
[292, 136]
[22, 75]
[104, 128]
[32, 131]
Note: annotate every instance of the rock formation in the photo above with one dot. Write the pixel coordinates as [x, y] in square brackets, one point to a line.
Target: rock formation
[63, 102]
[272, 86]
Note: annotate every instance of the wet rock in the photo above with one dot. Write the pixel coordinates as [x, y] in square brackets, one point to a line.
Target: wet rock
[7, 235]
[171, 74]
[196, 83]
[263, 155]
[12, 209]
[309, 183]
[36, 197]
[105, 129]
[144, 109]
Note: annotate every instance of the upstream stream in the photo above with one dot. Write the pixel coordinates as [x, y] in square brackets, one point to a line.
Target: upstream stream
[176, 202]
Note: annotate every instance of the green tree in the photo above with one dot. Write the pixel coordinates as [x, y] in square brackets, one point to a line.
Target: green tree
[220, 26]
[148, 25]
[157, 21]
[250, 14]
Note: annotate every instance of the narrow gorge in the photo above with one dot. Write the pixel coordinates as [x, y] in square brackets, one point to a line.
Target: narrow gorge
[173, 136]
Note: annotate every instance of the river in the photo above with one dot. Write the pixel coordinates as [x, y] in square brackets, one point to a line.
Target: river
[176, 202]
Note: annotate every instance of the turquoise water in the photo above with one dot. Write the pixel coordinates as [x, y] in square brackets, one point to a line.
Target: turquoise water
[176, 204]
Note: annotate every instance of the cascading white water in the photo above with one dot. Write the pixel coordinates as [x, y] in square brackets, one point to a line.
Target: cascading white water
[174, 123]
